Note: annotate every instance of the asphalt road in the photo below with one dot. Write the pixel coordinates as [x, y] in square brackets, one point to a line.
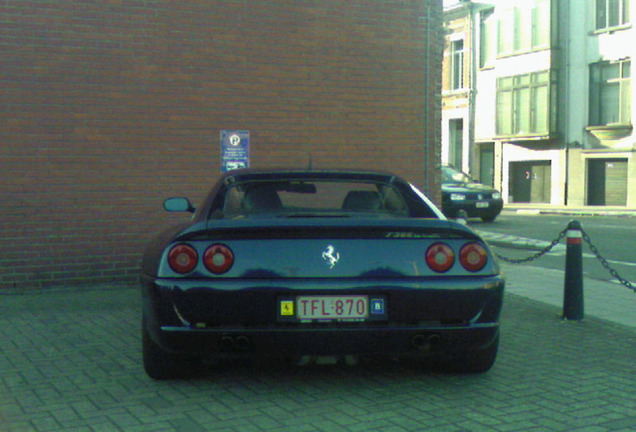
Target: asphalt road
[613, 237]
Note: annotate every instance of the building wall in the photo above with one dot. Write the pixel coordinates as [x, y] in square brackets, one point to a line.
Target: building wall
[109, 107]
[457, 29]
[588, 46]
[570, 149]
[456, 102]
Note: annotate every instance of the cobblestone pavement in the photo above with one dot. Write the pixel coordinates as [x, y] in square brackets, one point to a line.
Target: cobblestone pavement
[70, 361]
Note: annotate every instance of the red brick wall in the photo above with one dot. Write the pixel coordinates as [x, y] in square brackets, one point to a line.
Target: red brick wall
[107, 107]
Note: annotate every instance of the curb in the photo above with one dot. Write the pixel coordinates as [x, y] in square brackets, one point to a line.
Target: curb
[629, 213]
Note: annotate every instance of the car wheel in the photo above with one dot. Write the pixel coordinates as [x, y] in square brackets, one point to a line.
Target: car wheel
[477, 361]
[162, 365]
[489, 218]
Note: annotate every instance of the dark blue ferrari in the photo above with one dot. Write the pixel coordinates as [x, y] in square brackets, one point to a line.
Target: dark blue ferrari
[310, 264]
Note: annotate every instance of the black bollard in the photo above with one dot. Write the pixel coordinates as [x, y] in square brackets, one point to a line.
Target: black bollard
[573, 286]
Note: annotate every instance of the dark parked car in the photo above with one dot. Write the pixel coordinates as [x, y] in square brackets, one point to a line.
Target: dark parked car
[461, 192]
[285, 264]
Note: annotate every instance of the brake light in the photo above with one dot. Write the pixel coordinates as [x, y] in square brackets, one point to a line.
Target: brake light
[218, 258]
[473, 257]
[440, 257]
[182, 258]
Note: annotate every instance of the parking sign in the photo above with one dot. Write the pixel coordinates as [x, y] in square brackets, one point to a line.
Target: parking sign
[235, 149]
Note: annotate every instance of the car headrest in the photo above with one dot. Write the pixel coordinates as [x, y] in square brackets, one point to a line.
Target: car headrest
[362, 201]
[261, 199]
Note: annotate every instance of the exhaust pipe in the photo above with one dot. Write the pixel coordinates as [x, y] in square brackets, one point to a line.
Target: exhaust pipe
[239, 343]
[434, 340]
[242, 343]
[227, 343]
[423, 342]
[418, 341]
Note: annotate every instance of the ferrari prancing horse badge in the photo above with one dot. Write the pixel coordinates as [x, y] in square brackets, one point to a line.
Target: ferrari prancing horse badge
[331, 256]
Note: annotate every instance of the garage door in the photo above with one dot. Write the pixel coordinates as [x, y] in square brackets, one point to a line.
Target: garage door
[607, 182]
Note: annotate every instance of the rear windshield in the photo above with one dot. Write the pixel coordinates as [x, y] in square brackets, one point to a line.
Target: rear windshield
[320, 197]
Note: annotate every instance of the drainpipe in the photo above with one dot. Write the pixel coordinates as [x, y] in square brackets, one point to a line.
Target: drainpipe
[565, 12]
[472, 91]
[426, 20]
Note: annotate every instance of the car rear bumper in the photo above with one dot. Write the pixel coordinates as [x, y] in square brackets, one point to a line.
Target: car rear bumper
[207, 319]
[385, 340]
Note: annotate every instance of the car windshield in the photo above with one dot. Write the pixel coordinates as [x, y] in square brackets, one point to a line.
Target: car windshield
[453, 175]
[313, 198]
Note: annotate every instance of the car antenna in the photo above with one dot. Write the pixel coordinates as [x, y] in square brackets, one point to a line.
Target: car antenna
[309, 164]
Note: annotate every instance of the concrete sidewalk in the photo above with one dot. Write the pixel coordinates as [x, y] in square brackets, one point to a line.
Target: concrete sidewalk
[602, 299]
[537, 209]
[605, 300]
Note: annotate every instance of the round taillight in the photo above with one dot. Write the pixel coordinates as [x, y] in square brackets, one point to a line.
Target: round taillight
[473, 257]
[218, 258]
[440, 257]
[182, 258]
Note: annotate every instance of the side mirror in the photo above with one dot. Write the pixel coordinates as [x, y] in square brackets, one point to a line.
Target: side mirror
[178, 205]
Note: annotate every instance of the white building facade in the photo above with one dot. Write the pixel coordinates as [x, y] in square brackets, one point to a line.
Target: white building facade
[545, 108]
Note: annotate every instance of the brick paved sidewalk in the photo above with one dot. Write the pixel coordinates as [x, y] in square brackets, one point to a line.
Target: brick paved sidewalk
[70, 361]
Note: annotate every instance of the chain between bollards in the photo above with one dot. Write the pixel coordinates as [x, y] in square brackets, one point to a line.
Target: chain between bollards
[573, 283]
